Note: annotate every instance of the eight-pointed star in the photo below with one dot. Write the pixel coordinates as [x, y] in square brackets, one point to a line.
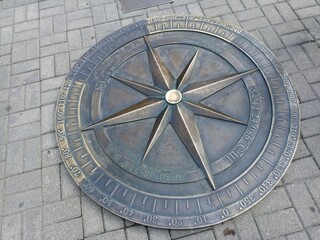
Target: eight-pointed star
[174, 101]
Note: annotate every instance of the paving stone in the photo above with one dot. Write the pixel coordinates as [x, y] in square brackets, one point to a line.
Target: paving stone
[300, 57]
[51, 11]
[276, 200]
[70, 230]
[312, 144]
[137, 232]
[2, 187]
[11, 227]
[26, 35]
[2, 170]
[59, 24]
[313, 52]
[23, 182]
[32, 224]
[61, 211]
[33, 95]
[111, 221]
[22, 132]
[298, 236]
[307, 12]
[316, 88]
[217, 11]
[14, 163]
[270, 227]
[98, 15]
[88, 38]
[48, 141]
[51, 191]
[231, 18]
[301, 151]
[47, 67]
[80, 23]
[111, 12]
[53, 39]
[5, 77]
[92, 217]
[271, 38]
[46, 26]
[301, 169]
[206, 235]
[272, 14]
[17, 96]
[49, 97]
[51, 157]
[25, 78]
[236, 5]
[20, 14]
[18, 52]
[115, 235]
[296, 38]
[25, 26]
[61, 63]
[70, 6]
[226, 231]
[3, 129]
[296, 4]
[32, 11]
[255, 24]
[22, 201]
[302, 87]
[5, 60]
[5, 49]
[249, 14]
[159, 234]
[32, 154]
[304, 204]
[313, 27]
[47, 118]
[32, 49]
[246, 226]
[6, 35]
[50, 4]
[25, 66]
[285, 11]
[162, 12]
[289, 27]
[314, 232]
[310, 127]
[314, 188]
[74, 40]
[68, 187]
[53, 49]
[195, 9]
[24, 117]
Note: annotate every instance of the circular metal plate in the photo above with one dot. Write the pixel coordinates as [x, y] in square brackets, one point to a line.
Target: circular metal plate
[177, 122]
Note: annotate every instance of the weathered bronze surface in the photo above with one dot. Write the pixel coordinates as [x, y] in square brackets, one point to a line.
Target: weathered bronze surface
[177, 122]
[132, 5]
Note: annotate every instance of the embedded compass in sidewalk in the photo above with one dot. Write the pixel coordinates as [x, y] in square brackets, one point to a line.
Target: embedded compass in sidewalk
[177, 122]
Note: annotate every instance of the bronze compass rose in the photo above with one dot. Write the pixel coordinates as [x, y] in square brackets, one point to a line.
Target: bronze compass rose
[177, 122]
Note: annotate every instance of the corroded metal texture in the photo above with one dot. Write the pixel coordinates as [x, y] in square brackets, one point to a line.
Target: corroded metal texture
[177, 122]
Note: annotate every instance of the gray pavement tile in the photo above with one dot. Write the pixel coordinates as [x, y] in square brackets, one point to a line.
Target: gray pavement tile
[308, 12]
[22, 201]
[313, 146]
[304, 204]
[70, 230]
[91, 217]
[23, 182]
[301, 169]
[310, 109]
[314, 232]
[137, 232]
[246, 226]
[276, 200]
[226, 231]
[32, 154]
[51, 191]
[115, 235]
[270, 227]
[285, 11]
[298, 236]
[312, 75]
[111, 221]
[301, 151]
[310, 127]
[61, 211]
[206, 235]
[68, 187]
[159, 234]
[32, 224]
[11, 227]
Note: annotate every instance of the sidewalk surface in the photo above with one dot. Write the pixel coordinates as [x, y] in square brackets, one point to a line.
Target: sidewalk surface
[41, 40]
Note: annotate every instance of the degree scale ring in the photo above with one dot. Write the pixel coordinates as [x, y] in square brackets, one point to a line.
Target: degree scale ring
[177, 122]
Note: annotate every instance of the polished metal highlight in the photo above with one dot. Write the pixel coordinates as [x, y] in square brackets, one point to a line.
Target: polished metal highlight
[177, 122]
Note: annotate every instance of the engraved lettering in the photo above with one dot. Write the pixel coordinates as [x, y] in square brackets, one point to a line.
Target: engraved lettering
[89, 187]
[265, 186]
[127, 212]
[151, 219]
[106, 201]
[75, 171]
[247, 201]
[176, 222]
[60, 117]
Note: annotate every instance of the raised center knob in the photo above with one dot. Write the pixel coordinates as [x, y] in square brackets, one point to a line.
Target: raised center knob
[173, 96]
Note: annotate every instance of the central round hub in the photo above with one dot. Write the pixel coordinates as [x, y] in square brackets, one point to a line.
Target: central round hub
[173, 96]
